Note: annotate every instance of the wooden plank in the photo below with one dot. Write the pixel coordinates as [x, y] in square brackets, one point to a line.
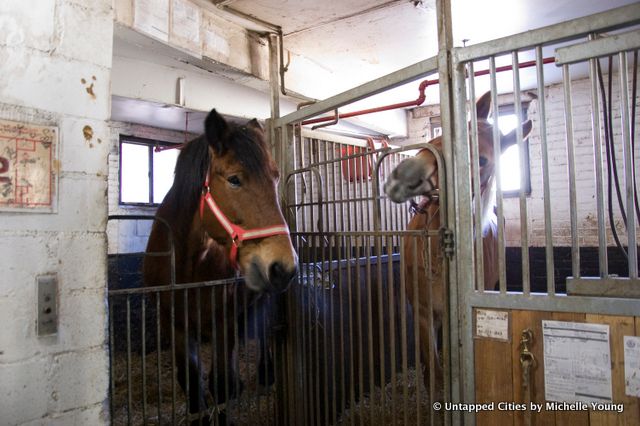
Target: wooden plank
[520, 321]
[570, 418]
[494, 382]
[619, 327]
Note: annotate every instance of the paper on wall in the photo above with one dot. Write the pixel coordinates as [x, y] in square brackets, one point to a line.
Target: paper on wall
[577, 362]
[492, 324]
[632, 365]
[152, 17]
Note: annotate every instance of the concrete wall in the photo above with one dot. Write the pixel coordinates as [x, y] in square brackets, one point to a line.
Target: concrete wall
[47, 48]
[420, 130]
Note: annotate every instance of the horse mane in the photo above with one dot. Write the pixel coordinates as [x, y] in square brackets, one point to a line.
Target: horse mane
[248, 147]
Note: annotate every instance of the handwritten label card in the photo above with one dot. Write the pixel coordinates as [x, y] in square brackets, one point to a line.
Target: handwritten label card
[492, 324]
[28, 172]
[632, 365]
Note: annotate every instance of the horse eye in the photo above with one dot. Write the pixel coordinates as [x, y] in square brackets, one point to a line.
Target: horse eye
[234, 181]
[483, 161]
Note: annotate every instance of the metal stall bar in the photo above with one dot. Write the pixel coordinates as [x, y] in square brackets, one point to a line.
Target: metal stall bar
[571, 171]
[475, 173]
[524, 223]
[551, 287]
[629, 173]
[598, 166]
[575, 28]
[498, 175]
[389, 81]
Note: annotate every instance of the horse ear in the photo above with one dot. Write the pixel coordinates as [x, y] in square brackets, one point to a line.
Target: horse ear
[255, 124]
[215, 129]
[483, 106]
[511, 138]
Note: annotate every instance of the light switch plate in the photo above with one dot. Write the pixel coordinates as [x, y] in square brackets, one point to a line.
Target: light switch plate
[47, 304]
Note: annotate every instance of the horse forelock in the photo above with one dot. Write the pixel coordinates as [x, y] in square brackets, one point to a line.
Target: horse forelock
[250, 149]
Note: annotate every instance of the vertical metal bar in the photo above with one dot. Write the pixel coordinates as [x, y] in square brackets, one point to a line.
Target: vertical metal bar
[417, 322]
[214, 345]
[225, 342]
[403, 331]
[370, 318]
[236, 340]
[359, 343]
[158, 356]
[392, 328]
[350, 299]
[112, 354]
[475, 179]
[129, 384]
[524, 222]
[198, 354]
[551, 288]
[431, 361]
[629, 172]
[598, 166]
[571, 170]
[459, 365]
[185, 300]
[343, 375]
[144, 358]
[331, 270]
[381, 346]
[498, 173]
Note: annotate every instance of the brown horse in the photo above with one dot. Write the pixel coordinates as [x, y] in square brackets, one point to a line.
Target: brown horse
[224, 217]
[418, 176]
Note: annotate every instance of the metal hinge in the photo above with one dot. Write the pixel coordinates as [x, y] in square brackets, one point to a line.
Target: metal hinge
[447, 242]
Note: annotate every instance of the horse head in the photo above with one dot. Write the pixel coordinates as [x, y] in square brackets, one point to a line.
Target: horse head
[418, 176]
[239, 207]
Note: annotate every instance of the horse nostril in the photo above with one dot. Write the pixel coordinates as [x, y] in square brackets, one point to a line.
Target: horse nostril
[280, 276]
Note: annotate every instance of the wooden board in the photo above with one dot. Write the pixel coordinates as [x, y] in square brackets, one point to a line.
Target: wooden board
[522, 320]
[494, 382]
[28, 167]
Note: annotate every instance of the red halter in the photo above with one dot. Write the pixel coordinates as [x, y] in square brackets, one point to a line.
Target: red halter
[237, 233]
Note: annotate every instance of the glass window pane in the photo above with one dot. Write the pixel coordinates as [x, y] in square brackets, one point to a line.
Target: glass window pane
[164, 163]
[134, 169]
[510, 169]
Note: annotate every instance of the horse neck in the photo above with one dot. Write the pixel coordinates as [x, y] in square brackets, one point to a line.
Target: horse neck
[487, 202]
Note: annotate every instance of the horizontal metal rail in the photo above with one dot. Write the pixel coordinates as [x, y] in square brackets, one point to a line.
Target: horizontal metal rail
[389, 81]
[605, 21]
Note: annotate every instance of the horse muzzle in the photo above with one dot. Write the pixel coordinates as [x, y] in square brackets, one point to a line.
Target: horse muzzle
[274, 279]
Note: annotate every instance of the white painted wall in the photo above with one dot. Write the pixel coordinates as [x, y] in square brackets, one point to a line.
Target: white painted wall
[420, 131]
[46, 48]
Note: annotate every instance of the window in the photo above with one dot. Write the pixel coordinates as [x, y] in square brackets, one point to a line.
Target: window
[510, 158]
[146, 174]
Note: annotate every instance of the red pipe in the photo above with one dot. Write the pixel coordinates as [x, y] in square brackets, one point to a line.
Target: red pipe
[423, 85]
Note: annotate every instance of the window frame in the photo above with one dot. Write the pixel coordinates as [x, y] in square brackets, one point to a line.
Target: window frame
[151, 144]
[509, 109]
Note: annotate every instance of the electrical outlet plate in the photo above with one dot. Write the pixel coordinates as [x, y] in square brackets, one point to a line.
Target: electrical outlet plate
[47, 304]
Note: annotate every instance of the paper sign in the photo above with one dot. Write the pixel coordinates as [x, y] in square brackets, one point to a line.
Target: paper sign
[492, 324]
[632, 365]
[577, 362]
[152, 17]
[185, 25]
[28, 172]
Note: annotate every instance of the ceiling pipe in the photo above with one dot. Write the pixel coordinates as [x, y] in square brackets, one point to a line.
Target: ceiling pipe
[423, 85]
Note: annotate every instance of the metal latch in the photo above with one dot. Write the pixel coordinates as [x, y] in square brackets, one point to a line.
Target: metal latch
[446, 242]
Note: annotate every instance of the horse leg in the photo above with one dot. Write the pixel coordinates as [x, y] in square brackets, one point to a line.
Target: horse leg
[197, 397]
[224, 383]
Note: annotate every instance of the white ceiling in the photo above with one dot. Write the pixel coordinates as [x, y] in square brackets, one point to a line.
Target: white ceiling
[355, 41]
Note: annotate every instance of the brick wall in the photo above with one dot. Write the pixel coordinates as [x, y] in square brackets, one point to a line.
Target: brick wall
[419, 129]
